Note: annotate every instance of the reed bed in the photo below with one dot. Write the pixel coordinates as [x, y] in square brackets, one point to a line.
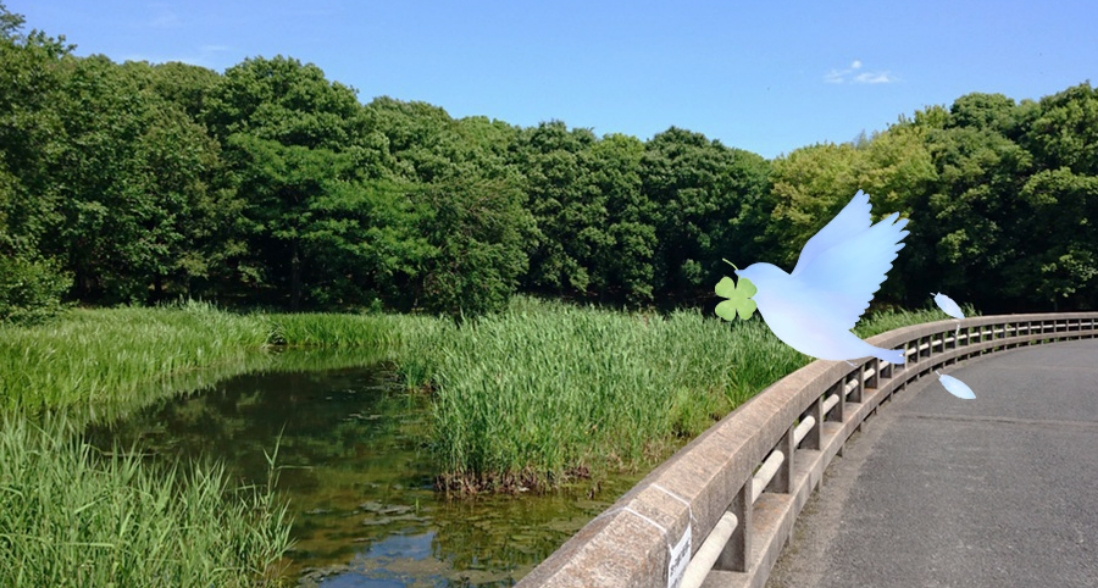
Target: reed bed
[336, 330]
[525, 397]
[99, 357]
[94, 359]
[71, 517]
[529, 397]
[532, 396]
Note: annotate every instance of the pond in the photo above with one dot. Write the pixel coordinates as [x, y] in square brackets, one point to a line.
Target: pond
[353, 463]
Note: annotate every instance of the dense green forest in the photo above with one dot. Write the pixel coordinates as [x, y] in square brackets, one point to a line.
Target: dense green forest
[271, 186]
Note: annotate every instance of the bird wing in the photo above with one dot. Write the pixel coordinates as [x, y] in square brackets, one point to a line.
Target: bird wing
[850, 263]
[852, 219]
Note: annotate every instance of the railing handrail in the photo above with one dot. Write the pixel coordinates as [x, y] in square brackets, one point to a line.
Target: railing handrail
[710, 486]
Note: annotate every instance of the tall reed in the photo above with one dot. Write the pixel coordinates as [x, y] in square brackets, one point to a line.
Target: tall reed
[528, 396]
[71, 517]
[101, 356]
[126, 356]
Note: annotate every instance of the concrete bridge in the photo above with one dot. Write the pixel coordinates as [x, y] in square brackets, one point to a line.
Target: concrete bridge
[935, 491]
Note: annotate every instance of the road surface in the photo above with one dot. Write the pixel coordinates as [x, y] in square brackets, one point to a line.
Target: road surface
[1001, 491]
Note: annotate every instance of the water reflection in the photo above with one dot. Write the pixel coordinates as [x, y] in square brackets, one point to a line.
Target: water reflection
[352, 451]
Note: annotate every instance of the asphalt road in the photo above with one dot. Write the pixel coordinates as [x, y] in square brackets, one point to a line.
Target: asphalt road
[1001, 491]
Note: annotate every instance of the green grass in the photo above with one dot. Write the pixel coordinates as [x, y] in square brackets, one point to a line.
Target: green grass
[527, 397]
[882, 322]
[99, 357]
[71, 517]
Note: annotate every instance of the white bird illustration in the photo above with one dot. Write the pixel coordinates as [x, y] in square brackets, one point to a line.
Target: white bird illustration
[840, 268]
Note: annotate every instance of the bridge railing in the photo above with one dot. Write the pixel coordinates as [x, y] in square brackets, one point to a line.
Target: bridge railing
[720, 510]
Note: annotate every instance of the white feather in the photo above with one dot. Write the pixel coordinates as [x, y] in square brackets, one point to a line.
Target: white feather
[956, 387]
[948, 306]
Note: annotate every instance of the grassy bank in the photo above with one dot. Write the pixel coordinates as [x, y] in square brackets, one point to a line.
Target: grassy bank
[100, 357]
[130, 356]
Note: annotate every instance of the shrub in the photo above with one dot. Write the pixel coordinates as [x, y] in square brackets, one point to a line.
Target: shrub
[30, 291]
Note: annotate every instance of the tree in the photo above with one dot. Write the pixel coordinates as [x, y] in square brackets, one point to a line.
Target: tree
[128, 172]
[184, 85]
[300, 149]
[1064, 131]
[1058, 262]
[709, 204]
[31, 130]
[31, 285]
[623, 271]
[808, 188]
[570, 212]
[477, 230]
[283, 100]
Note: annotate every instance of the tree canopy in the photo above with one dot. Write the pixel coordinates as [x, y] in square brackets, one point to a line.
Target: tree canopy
[271, 185]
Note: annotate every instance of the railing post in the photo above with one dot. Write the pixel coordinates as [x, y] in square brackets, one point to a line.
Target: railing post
[734, 556]
[782, 481]
[815, 434]
[886, 371]
[838, 414]
[856, 393]
[874, 381]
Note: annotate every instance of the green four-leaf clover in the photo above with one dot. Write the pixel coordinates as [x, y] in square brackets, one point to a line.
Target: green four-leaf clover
[739, 298]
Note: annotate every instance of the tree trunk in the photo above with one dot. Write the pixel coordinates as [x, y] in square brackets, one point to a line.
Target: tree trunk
[158, 289]
[295, 279]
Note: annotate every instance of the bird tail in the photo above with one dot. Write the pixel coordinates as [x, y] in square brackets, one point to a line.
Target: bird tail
[895, 356]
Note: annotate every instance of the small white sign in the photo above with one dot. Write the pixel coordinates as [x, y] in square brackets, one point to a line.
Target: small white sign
[680, 556]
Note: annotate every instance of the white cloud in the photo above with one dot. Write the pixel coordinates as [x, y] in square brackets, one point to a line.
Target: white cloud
[878, 77]
[835, 76]
[853, 76]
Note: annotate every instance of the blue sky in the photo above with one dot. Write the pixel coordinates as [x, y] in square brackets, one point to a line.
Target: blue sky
[767, 78]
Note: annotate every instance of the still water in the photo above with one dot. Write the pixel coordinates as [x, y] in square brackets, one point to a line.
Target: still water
[352, 452]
